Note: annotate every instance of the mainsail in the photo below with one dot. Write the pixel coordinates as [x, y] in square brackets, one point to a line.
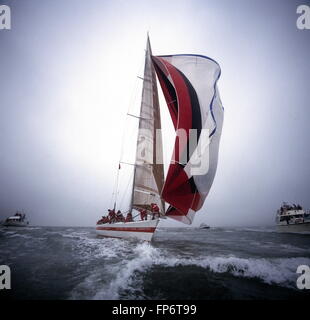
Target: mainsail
[189, 84]
[148, 178]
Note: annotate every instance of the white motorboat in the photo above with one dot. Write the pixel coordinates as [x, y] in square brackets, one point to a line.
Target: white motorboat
[18, 220]
[292, 218]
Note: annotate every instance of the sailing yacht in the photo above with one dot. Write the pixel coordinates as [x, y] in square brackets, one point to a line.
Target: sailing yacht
[189, 85]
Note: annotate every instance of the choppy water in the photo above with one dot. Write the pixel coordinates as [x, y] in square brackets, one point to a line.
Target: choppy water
[220, 263]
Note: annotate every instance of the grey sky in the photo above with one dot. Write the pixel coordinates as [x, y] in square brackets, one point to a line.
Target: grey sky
[68, 72]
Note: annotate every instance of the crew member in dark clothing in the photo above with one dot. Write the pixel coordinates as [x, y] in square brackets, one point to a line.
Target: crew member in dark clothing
[143, 214]
[155, 211]
[129, 217]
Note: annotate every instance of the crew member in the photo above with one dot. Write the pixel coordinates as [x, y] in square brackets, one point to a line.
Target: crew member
[119, 216]
[129, 217]
[143, 214]
[111, 216]
[155, 210]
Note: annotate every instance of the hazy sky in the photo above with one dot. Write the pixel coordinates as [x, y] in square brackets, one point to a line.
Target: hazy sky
[68, 75]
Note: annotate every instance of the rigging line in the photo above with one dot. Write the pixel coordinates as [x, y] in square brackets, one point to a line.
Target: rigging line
[133, 97]
[130, 164]
[126, 190]
[112, 196]
[123, 138]
[136, 216]
[144, 79]
[134, 116]
[114, 192]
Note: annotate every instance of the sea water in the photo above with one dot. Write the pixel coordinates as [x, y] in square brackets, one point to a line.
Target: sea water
[180, 263]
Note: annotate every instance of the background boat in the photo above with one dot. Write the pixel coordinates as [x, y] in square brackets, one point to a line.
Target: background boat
[292, 218]
[18, 220]
[204, 226]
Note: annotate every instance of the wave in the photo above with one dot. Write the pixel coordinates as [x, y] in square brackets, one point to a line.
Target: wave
[280, 271]
[258, 229]
[8, 232]
[292, 248]
[127, 275]
[18, 235]
[127, 278]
